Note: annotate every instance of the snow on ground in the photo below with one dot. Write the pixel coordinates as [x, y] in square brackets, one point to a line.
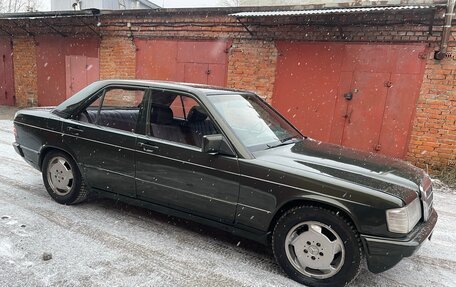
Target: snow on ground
[107, 243]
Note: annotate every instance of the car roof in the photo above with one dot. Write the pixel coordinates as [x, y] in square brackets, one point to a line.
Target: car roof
[71, 104]
[189, 87]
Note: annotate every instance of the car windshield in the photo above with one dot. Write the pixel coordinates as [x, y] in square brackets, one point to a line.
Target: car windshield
[256, 124]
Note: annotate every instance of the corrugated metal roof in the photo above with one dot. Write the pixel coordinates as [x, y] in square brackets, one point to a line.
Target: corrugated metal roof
[149, 4]
[327, 11]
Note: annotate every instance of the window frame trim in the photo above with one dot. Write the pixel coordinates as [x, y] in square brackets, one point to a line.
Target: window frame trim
[181, 93]
[93, 97]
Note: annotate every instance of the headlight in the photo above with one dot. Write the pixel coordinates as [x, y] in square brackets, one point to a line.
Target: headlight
[402, 220]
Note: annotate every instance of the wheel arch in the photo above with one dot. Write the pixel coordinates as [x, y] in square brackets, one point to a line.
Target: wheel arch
[330, 204]
[45, 149]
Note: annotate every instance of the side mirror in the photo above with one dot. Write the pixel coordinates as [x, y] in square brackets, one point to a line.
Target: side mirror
[216, 144]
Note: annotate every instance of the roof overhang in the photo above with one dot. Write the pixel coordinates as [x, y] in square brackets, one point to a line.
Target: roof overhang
[253, 21]
[256, 20]
[348, 10]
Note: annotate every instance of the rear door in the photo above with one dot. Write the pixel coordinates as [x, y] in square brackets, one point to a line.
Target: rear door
[103, 137]
[172, 170]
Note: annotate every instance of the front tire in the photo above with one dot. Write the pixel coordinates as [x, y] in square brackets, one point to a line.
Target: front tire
[62, 178]
[317, 247]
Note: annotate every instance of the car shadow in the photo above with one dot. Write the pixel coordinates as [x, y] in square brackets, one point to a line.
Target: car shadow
[219, 237]
[210, 233]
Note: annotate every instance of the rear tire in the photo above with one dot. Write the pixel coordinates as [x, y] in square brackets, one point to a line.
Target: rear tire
[62, 178]
[317, 247]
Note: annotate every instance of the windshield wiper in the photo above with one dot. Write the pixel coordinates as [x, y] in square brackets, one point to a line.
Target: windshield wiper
[283, 142]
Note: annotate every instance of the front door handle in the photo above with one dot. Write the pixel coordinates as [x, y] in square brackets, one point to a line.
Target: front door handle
[148, 147]
[75, 130]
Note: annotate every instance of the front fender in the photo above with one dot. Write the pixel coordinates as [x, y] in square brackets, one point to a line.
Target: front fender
[320, 200]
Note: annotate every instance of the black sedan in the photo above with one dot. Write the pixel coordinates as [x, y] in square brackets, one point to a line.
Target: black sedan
[227, 159]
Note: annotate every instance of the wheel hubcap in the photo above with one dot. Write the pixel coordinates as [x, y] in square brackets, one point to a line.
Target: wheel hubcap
[315, 249]
[60, 176]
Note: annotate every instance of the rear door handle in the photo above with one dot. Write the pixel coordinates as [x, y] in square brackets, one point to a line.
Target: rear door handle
[148, 147]
[75, 130]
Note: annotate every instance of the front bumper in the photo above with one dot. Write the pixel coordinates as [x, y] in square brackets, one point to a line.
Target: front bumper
[383, 253]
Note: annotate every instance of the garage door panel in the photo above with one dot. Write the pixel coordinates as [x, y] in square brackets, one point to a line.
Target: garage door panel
[202, 52]
[365, 111]
[368, 58]
[308, 74]
[383, 79]
[155, 59]
[341, 106]
[202, 62]
[6, 73]
[51, 53]
[75, 78]
[195, 73]
[217, 75]
[399, 110]
[179, 75]
[408, 59]
[80, 71]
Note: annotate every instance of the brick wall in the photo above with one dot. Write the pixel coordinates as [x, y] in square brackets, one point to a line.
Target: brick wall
[433, 139]
[25, 72]
[117, 58]
[374, 28]
[251, 66]
[407, 26]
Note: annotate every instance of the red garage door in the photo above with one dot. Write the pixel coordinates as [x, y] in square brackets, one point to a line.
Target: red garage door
[6, 73]
[64, 66]
[80, 71]
[203, 62]
[357, 95]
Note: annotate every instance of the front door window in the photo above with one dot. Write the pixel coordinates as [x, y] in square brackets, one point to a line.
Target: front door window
[179, 118]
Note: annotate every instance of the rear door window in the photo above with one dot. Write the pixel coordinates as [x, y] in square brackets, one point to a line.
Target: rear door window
[116, 108]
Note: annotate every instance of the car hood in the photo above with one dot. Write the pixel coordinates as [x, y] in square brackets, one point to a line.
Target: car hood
[382, 173]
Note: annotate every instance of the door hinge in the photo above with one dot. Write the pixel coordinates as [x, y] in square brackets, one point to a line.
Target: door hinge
[347, 116]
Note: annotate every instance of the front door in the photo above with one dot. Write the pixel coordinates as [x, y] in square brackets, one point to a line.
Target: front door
[172, 170]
